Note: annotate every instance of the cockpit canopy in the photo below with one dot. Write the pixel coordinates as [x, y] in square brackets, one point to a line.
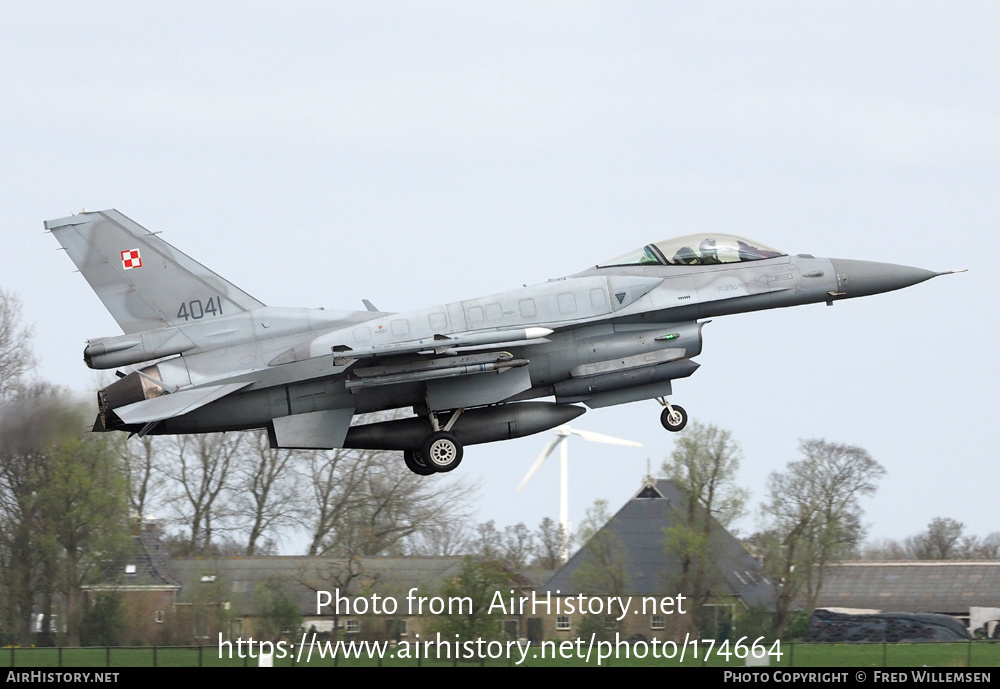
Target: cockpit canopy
[695, 249]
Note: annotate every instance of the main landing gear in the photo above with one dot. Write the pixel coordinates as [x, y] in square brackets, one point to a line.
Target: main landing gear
[673, 417]
[416, 463]
[440, 452]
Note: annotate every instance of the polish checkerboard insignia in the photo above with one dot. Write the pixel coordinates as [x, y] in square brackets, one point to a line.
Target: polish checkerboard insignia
[131, 259]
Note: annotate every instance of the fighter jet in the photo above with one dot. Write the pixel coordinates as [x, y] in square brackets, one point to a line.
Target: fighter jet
[205, 356]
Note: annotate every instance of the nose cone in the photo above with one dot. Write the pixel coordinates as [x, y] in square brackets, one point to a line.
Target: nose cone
[860, 278]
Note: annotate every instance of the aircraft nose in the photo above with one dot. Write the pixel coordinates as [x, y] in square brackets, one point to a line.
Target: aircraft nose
[861, 278]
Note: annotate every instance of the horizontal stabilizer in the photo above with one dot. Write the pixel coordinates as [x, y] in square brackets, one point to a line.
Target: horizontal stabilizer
[175, 404]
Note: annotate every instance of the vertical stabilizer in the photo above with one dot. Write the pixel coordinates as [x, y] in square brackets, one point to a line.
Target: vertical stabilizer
[144, 282]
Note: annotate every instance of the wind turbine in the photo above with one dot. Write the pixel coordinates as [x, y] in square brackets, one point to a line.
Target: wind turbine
[562, 435]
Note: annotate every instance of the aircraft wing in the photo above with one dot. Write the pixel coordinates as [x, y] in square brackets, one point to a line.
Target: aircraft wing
[452, 382]
[175, 404]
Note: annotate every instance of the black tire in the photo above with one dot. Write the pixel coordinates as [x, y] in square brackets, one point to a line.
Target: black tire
[442, 451]
[416, 464]
[670, 422]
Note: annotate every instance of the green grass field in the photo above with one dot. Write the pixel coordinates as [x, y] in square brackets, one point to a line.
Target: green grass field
[977, 654]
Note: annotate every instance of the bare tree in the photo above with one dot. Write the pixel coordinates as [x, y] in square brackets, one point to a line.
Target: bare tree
[199, 467]
[16, 358]
[519, 547]
[334, 476]
[267, 490]
[235, 478]
[365, 502]
[943, 540]
[514, 546]
[25, 568]
[813, 515]
[884, 549]
[988, 548]
[550, 539]
[441, 541]
[140, 459]
[488, 541]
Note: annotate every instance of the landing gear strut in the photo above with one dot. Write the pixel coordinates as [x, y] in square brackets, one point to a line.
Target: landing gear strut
[673, 417]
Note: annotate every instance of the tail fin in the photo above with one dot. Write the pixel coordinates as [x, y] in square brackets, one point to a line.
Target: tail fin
[144, 282]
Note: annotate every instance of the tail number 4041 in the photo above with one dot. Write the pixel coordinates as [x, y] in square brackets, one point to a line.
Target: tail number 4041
[195, 310]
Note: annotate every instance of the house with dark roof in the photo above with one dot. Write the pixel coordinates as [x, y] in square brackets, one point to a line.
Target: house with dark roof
[388, 598]
[189, 600]
[969, 591]
[366, 597]
[193, 599]
[637, 537]
[147, 588]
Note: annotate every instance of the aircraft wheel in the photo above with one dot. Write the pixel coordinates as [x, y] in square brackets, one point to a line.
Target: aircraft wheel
[675, 421]
[416, 464]
[442, 451]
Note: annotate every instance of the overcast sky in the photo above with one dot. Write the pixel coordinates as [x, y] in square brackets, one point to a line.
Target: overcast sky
[319, 153]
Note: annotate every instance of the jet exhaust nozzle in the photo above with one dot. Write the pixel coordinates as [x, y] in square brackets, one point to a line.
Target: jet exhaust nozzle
[132, 388]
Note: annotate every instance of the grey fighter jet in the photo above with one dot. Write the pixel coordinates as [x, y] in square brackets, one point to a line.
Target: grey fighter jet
[205, 356]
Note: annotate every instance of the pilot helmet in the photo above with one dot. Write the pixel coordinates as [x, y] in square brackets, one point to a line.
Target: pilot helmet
[707, 248]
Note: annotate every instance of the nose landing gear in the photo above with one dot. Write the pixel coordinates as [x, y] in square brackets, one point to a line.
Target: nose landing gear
[673, 417]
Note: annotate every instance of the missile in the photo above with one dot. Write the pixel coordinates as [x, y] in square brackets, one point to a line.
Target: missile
[334, 342]
[431, 364]
[433, 374]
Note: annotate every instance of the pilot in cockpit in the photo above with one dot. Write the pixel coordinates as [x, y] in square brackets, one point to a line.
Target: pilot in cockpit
[708, 251]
